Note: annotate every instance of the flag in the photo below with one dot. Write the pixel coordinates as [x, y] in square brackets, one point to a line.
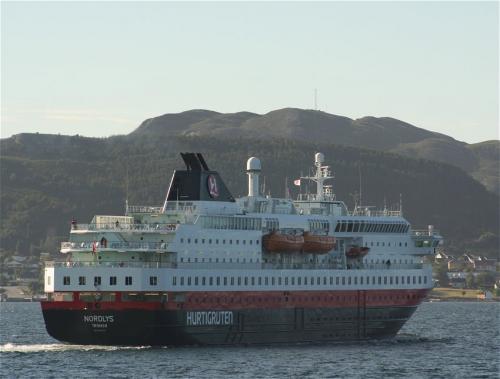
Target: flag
[296, 182]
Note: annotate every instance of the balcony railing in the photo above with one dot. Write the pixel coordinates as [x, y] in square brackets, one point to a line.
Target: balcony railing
[111, 264]
[96, 246]
[375, 213]
[425, 233]
[143, 209]
[235, 266]
[114, 227]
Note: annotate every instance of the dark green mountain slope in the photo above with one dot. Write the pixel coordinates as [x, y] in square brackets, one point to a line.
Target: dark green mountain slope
[46, 180]
[384, 133]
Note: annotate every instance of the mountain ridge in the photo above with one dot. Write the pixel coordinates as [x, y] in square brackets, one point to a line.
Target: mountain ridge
[380, 133]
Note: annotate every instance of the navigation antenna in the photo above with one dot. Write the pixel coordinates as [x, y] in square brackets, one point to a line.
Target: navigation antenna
[126, 189]
[360, 189]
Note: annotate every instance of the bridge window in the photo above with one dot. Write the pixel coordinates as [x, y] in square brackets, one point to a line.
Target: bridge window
[66, 281]
[97, 280]
[81, 280]
[153, 280]
[128, 280]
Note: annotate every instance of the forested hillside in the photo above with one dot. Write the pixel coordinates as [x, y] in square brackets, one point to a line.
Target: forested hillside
[481, 161]
[46, 180]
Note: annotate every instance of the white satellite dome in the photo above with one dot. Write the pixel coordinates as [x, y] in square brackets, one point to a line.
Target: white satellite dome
[319, 158]
[253, 164]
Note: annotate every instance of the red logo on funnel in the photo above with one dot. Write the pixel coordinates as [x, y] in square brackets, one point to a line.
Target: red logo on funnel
[212, 186]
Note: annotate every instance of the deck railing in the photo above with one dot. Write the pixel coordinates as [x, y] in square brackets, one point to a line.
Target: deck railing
[425, 233]
[93, 245]
[144, 209]
[214, 266]
[114, 227]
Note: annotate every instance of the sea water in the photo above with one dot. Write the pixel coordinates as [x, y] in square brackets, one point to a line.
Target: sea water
[441, 340]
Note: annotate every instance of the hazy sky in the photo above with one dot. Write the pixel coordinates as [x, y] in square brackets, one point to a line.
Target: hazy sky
[98, 69]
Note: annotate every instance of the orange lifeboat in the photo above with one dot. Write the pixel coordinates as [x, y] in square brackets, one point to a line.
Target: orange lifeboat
[277, 242]
[314, 243]
[357, 251]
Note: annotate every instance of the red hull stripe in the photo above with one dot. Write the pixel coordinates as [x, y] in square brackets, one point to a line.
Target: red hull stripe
[255, 300]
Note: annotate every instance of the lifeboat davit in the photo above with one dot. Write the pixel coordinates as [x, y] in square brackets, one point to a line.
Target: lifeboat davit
[357, 251]
[277, 242]
[314, 243]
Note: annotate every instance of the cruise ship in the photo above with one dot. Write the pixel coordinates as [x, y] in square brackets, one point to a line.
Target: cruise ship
[208, 269]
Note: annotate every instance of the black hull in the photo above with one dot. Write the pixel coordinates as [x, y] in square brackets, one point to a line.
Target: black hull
[229, 327]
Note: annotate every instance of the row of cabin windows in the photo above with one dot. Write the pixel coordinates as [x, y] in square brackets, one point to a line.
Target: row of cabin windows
[388, 244]
[223, 260]
[252, 281]
[153, 280]
[371, 227]
[216, 241]
[82, 280]
[297, 298]
[158, 297]
[388, 262]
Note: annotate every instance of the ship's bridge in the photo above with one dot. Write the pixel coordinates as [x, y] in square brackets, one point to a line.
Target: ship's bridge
[326, 208]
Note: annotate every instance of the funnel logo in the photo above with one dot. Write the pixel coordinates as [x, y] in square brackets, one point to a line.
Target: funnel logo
[212, 186]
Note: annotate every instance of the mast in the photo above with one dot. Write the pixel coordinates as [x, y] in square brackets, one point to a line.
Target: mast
[322, 173]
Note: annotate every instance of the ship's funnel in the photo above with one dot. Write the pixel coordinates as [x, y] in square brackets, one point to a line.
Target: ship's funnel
[253, 171]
